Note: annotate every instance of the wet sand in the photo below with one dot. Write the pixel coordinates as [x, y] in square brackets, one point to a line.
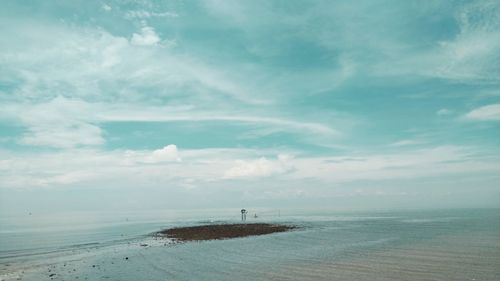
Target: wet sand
[222, 231]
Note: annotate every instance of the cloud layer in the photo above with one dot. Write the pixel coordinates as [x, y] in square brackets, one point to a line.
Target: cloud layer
[251, 99]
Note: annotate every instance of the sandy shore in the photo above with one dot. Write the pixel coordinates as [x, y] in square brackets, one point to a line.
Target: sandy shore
[222, 231]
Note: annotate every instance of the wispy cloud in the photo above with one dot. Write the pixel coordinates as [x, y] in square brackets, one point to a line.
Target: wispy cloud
[60, 123]
[407, 142]
[147, 37]
[485, 113]
[143, 14]
[106, 7]
[212, 94]
[413, 164]
[474, 51]
[64, 122]
[444, 111]
[111, 66]
[159, 114]
[261, 167]
[468, 56]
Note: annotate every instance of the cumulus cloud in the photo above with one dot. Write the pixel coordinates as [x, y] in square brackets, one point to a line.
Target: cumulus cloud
[261, 167]
[485, 113]
[167, 154]
[147, 37]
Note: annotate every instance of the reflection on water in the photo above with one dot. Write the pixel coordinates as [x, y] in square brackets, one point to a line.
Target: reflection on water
[430, 245]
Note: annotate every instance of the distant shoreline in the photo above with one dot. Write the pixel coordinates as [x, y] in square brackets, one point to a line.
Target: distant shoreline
[222, 231]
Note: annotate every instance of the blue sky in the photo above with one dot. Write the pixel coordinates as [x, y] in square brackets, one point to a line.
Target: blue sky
[183, 104]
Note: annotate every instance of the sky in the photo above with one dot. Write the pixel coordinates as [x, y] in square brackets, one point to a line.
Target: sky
[141, 105]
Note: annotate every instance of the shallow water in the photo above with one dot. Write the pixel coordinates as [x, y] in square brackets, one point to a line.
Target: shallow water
[426, 245]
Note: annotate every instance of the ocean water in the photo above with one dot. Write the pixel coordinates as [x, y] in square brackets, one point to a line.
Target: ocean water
[328, 245]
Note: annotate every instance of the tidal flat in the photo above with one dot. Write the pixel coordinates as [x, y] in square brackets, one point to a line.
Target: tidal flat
[423, 245]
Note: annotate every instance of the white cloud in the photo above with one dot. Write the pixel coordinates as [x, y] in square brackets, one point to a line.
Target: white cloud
[261, 167]
[142, 14]
[166, 154]
[444, 111]
[475, 51]
[111, 68]
[106, 7]
[77, 167]
[470, 56]
[69, 134]
[406, 142]
[64, 178]
[65, 122]
[147, 37]
[421, 163]
[165, 114]
[485, 113]
[60, 123]
[52, 93]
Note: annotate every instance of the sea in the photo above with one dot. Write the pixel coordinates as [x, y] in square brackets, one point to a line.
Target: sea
[458, 244]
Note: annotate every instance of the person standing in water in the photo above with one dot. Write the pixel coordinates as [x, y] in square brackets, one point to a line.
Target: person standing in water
[243, 215]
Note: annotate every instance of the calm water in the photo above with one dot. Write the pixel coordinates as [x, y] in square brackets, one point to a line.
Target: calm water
[427, 245]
